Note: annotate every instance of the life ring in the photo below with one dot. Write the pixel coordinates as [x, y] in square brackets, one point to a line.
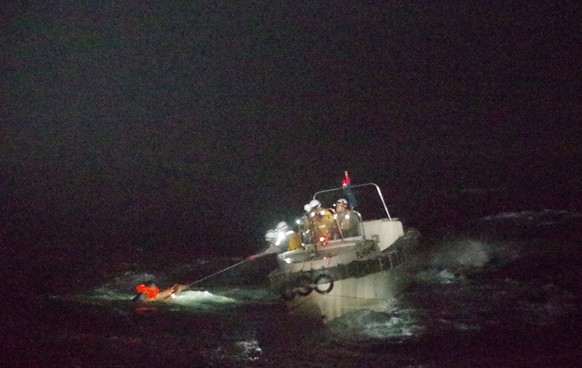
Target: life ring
[304, 287]
[323, 280]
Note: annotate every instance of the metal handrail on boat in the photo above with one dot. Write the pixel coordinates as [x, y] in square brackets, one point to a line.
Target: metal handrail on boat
[358, 186]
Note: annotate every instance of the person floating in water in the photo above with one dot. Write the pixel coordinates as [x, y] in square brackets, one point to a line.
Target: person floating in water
[149, 292]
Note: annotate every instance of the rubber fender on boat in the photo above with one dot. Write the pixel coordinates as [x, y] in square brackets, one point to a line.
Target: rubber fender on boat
[304, 287]
[322, 280]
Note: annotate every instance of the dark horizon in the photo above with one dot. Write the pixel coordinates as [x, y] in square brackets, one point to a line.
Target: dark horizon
[180, 124]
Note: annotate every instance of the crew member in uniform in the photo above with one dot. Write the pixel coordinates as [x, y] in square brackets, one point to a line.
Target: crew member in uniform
[323, 220]
[344, 226]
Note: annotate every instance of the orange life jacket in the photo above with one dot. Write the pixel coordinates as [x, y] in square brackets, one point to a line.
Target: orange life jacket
[150, 291]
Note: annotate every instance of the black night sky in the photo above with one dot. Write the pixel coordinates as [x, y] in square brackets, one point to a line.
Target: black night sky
[200, 124]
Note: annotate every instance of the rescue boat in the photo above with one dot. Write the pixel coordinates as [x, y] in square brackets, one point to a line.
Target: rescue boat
[350, 259]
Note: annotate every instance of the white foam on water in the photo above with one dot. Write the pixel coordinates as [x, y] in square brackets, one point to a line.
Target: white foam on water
[192, 298]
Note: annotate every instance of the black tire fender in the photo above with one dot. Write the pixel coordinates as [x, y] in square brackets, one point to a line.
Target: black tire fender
[323, 279]
[304, 287]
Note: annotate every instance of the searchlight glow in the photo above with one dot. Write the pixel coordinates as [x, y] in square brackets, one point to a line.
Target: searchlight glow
[280, 238]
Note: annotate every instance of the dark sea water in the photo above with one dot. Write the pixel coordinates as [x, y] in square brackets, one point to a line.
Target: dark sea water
[499, 290]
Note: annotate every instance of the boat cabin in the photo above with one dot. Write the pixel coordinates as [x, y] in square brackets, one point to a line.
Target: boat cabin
[328, 229]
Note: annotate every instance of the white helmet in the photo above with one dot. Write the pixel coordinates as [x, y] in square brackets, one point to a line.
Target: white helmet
[314, 203]
[271, 235]
[282, 226]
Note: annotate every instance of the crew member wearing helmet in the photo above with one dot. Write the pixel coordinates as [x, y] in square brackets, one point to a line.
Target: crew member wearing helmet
[272, 238]
[344, 221]
[322, 218]
[287, 238]
[293, 240]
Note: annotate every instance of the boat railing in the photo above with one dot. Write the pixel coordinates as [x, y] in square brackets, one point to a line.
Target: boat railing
[350, 189]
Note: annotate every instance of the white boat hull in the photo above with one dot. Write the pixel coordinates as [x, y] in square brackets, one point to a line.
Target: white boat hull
[329, 288]
[352, 294]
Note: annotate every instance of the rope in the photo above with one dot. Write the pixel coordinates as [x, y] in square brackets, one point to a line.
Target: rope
[216, 273]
